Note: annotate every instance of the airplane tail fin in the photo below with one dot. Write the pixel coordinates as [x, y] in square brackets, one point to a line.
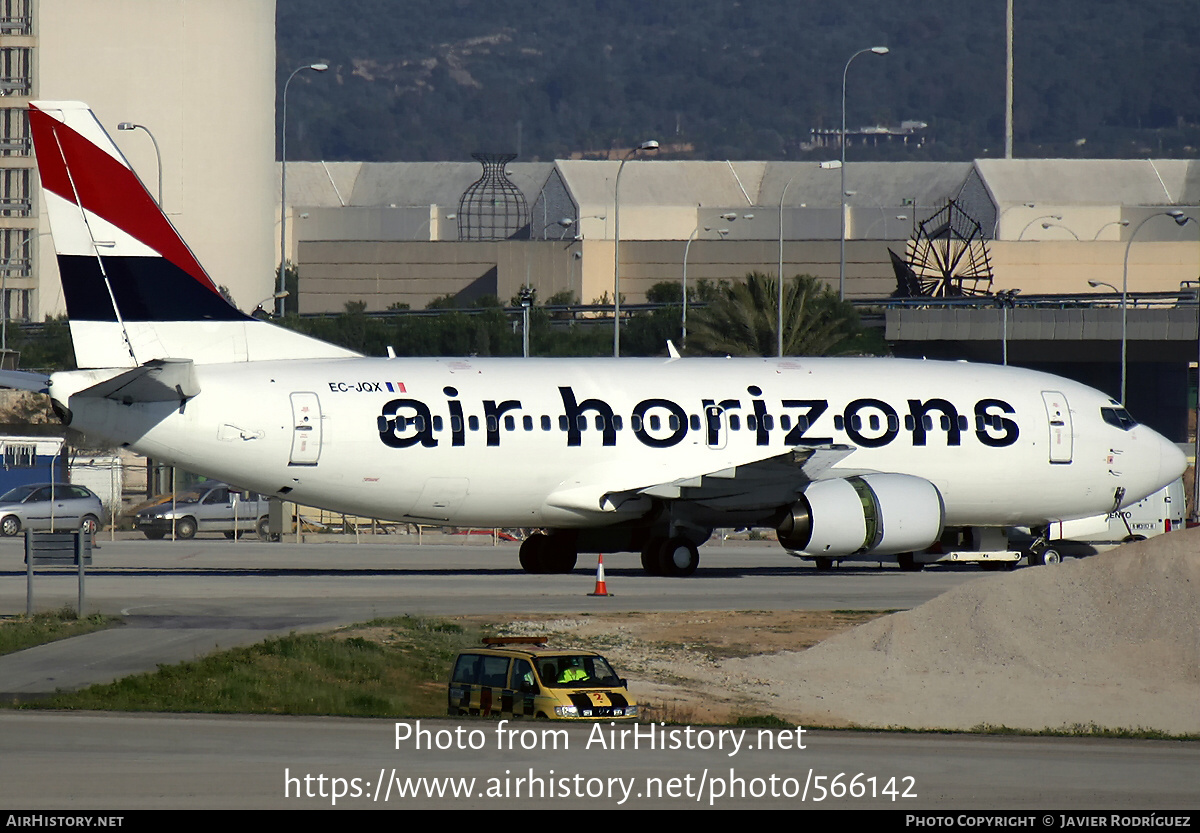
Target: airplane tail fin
[134, 290]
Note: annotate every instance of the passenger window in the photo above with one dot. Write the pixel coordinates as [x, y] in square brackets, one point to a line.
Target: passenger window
[527, 423]
[523, 679]
[546, 423]
[510, 424]
[494, 672]
[466, 670]
[473, 423]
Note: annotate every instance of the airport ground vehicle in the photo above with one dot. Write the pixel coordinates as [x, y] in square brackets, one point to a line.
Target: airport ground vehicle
[209, 507]
[52, 506]
[1156, 514]
[520, 676]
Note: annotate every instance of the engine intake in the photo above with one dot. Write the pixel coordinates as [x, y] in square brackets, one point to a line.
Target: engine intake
[872, 513]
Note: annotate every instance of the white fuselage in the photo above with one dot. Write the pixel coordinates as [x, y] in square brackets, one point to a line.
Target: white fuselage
[513, 442]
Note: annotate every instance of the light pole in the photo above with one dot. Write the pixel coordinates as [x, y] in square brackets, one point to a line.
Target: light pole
[128, 125]
[779, 312]
[1110, 223]
[1000, 216]
[683, 317]
[647, 146]
[1006, 300]
[1064, 228]
[526, 299]
[1180, 219]
[1035, 219]
[878, 50]
[281, 288]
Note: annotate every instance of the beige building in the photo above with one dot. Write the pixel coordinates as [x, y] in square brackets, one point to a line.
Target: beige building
[387, 234]
[199, 75]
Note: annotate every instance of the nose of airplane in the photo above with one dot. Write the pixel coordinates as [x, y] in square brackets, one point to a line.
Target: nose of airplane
[1171, 461]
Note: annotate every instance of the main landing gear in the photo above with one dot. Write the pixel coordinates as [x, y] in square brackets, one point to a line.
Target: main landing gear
[557, 552]
[542, 554]
[670, 557]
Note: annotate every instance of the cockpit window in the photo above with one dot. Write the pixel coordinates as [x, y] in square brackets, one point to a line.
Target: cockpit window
[1118, 417]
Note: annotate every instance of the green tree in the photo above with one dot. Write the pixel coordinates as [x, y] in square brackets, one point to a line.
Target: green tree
[742, 320]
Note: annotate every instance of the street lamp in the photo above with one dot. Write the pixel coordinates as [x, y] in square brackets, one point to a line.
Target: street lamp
[648, 146]
[1000, 216]
[779, 312]
[283, 184]
[1180, 219]
[1006, 300]
[128, 125]
[878, 50]
[1110, 223]
[1064, 228]
[1036, 219]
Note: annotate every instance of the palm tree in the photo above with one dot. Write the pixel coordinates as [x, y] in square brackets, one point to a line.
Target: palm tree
[742, 320]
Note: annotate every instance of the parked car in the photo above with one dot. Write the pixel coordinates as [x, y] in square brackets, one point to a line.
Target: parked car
[50, 506]
[518, 676]
[209, 507]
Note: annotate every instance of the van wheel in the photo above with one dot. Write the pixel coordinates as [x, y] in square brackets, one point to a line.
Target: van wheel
[264, 528]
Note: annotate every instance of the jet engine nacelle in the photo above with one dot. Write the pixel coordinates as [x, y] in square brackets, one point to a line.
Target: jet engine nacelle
[876, 513]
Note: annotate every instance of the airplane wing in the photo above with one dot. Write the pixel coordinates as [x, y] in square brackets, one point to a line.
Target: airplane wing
[772, 481]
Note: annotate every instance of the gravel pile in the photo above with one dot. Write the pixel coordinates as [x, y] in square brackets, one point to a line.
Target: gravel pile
[1110, 642]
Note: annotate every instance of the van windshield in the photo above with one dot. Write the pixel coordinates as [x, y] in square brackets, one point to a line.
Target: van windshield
[576, 671]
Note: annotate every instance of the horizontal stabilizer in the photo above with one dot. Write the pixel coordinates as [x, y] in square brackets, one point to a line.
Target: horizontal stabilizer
[23, 380]
[158, 380]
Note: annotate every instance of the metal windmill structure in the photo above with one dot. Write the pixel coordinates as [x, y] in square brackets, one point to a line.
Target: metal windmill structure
[946, 257]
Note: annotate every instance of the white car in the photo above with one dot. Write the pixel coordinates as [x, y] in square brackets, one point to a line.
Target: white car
[209, 507]
[50, 506]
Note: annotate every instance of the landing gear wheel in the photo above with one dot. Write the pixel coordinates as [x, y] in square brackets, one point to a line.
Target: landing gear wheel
[908, 563]
[650, 556]
[185, 528]
[678, 557]
[559, 554]
[824, 564]
[531, 553]
[1128, 539]
[1051, 556]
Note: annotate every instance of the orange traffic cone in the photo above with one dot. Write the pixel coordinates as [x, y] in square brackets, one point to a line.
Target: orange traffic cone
[601, 589]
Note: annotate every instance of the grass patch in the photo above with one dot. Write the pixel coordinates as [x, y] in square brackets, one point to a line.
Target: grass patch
[21, 632]
[384, 668]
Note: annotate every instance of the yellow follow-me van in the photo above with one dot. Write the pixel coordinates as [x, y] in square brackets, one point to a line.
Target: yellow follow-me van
[518, 676]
